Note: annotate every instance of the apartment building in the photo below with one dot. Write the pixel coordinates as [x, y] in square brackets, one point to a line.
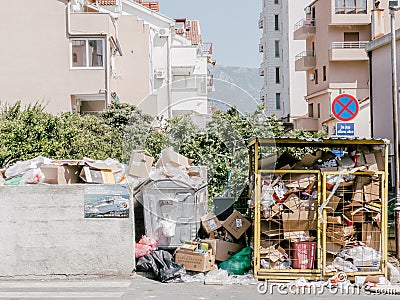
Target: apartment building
[283, 89]
[87, 53]
[379, 51]
[335, 61]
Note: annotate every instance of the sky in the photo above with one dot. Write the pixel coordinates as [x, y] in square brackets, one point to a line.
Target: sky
[231, 25]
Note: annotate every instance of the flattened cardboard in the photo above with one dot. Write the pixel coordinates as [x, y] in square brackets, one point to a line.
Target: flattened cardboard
[293, 202]
[372, 191]
[210, 222]
[64, 174]
[103, 166]
[273, 253]
[334, 220]
[332, 247]
[297, 236]
[301, 181]
[97, 176]
[299, 221]
[271, 228]
[236, 224]
[371, 236]
[358, 194]
[333, 202]
[140, 164]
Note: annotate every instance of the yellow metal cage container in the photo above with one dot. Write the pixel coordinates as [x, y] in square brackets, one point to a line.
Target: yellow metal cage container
[312, 218]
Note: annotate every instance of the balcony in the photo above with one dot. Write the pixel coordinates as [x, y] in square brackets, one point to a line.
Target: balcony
[207, 48]
[348, 51]
[306, 123]
[261, 70]
[210, 82]
[261, 47]
[305, 61]
[261, 22]
[304, 29]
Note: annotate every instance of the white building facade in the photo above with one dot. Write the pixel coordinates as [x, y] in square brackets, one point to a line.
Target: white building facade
[283, 90]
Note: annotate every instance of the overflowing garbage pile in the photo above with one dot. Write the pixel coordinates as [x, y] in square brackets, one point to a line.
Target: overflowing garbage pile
[43, 170]
[293, 201]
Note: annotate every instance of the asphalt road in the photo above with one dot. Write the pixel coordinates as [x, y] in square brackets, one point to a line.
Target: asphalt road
[141, 288]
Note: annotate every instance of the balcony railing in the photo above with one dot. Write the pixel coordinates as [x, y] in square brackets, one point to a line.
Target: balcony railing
[206, 48]
[304, 22]
[304, 54]
[210, 80]
[348, 45]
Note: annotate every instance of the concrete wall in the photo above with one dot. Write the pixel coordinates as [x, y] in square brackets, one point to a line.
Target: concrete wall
[43, 232]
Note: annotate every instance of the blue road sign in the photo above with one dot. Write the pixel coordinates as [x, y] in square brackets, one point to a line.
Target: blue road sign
[345, 129]
[345, 107]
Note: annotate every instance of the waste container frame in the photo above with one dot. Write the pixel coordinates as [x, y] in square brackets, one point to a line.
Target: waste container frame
[316, 143]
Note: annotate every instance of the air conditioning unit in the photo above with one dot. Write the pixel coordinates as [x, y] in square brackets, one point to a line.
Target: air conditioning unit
[312, 76]
[163, 32]
[160, 73]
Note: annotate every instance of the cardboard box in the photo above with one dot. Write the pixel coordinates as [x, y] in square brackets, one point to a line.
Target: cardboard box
[223, 250]
[64, 174]
[169, 156]
[371, 236]
[140, 164]
[299, 221]
[188, 256]
[97, 176]
[210, 222]
[114, 167]
[236, 224]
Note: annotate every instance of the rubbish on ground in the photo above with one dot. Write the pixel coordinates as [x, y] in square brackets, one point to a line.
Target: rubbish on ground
[161, 264]
[238, 264]
[145, 246]
[194, 258]
[217, 277]
[200, 277]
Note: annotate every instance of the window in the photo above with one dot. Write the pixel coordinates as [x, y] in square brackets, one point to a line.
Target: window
[324, 73]
[276, 22]
[276, 1]
[277, 54]
[311, 110]
[319, 110]
[316, 77]
[277, 75]
[351, 36]
[87, 53]
[351, 6]
[278, 101]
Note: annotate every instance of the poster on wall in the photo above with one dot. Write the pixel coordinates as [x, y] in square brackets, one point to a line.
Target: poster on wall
[106, 201]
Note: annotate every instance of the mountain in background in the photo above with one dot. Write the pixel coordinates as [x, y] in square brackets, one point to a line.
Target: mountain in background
[236, 86]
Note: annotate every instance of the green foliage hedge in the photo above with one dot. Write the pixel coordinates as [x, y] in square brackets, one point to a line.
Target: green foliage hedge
[222, 145]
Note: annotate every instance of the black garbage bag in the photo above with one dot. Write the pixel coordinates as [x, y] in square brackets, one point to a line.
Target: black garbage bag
[161, 264]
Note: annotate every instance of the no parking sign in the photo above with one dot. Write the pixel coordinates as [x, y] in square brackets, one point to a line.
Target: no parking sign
[345, 107]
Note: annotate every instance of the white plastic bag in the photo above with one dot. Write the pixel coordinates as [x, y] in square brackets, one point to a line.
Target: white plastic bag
[21, 167]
